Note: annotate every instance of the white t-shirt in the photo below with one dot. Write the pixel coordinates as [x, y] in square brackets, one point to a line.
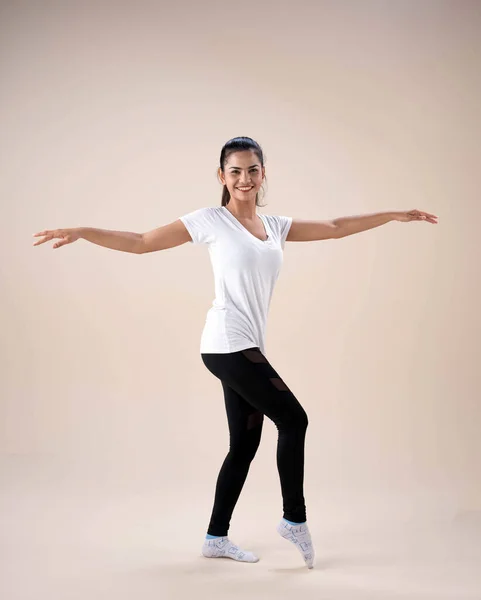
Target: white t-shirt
[245, 272]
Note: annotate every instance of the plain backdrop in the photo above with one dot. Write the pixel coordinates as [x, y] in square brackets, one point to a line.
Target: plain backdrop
[113, 115]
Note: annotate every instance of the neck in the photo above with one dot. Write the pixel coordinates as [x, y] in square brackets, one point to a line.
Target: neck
[242, 210]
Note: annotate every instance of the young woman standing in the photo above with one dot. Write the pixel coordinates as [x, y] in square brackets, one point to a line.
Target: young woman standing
[246, 252]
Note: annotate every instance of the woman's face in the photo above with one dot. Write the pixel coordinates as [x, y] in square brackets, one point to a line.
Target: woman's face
[243, 175]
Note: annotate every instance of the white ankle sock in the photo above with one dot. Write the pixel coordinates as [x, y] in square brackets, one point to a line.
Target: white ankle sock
[300, 536]
[222, 547]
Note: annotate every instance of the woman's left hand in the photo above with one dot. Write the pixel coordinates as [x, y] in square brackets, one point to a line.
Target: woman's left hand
[415, 215]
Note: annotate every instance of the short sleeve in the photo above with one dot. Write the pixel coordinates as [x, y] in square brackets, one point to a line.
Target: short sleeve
[282, 226]
[201, 225]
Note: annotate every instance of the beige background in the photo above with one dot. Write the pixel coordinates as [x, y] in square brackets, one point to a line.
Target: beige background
[113, 115]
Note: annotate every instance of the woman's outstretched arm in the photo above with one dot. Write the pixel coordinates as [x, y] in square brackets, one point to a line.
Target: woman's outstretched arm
[162, 238]
[308, 231]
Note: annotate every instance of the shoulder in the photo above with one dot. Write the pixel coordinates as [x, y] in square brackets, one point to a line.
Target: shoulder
[202, 224]
[207, 213]
[211, 210]
[279, 222]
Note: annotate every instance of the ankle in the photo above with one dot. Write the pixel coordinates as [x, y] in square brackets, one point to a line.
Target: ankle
[293, 522]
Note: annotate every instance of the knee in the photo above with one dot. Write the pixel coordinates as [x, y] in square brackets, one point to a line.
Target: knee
[296, 420]
[302, 419]
[243, 450]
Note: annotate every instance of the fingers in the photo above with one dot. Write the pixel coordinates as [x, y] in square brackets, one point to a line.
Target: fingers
[418, 215]
[427, 215]
[50, 235]
[66, 240]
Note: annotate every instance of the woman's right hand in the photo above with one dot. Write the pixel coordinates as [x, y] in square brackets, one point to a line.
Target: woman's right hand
[67, 236]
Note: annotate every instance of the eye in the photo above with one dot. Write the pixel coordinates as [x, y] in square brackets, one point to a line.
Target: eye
[255, 170]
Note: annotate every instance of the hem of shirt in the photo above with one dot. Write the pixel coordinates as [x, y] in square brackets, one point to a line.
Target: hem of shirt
[191, 231]
[284, 237]
[233, 348]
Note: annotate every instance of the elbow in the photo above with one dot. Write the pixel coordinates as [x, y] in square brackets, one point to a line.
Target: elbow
[337, 232]
[140, 246]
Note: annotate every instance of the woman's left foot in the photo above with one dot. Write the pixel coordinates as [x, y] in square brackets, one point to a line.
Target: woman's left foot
[222, 547]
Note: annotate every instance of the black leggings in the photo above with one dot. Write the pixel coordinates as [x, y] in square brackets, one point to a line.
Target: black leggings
[252, 389]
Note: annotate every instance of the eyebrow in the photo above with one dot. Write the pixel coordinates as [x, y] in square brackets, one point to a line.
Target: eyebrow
[256, 165]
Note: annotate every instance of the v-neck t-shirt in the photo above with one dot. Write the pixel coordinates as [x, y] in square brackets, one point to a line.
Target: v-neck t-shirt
[245, 269]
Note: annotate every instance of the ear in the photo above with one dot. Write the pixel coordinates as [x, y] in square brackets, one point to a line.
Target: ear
[221, 176]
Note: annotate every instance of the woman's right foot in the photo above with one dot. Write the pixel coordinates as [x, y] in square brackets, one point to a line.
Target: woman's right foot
[300, 536]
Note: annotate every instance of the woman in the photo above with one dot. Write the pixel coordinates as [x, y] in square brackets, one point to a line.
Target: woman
[246, 251]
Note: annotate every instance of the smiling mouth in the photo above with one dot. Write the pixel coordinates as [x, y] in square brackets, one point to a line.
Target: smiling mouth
[245, 189]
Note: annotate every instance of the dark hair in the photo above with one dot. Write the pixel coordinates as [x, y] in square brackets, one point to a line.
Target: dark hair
[239, 144]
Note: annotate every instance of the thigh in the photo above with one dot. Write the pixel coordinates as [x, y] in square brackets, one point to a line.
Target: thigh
[249, 373]
[242, 417]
